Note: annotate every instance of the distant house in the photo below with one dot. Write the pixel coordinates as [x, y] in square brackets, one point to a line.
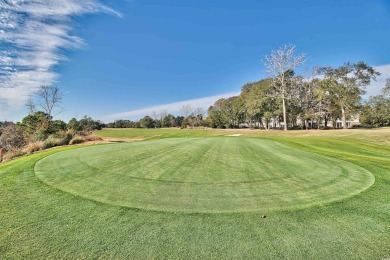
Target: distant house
[351, 122]
[278, 124]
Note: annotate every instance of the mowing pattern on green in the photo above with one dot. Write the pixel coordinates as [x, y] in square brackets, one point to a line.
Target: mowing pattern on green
[207, 175]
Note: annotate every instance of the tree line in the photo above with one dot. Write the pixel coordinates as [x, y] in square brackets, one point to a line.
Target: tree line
[169, 120]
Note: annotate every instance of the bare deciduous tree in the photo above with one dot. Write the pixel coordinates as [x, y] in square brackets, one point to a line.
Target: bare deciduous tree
[154, 114]
[279, 65]
[50, 97]
[31, 106]
[199, 111]
[186, 110]
[199, 114]
[163, 114]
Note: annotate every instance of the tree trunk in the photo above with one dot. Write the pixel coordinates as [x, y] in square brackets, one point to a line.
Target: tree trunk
[284, 114]
[343, 116]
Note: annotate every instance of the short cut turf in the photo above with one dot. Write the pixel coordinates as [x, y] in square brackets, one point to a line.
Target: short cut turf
[203, 175]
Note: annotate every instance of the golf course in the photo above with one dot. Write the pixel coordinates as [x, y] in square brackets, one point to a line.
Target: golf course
[201, 193]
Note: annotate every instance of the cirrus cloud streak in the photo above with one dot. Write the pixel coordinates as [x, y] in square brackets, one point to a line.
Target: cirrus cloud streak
[173, 108]
[33, 38]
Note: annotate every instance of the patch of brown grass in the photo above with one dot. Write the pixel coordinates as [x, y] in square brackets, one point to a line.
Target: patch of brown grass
[33, 147]
[82, 139]
[12, 154]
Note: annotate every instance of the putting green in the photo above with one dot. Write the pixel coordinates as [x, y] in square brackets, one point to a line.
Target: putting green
[204, 175]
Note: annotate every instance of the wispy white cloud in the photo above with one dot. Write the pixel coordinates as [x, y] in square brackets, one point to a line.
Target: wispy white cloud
[33, 34]
[173, 108]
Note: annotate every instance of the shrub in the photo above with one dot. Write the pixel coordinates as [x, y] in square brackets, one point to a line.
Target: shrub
[81, 139]
[66, 139]
[13, 153]
[33, 147]
[11, 137]
[40, 135]
[77, 140]
[50, 142]
[63, 137]
[91, 138]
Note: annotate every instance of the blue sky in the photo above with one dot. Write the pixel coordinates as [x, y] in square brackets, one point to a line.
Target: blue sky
[124, 59]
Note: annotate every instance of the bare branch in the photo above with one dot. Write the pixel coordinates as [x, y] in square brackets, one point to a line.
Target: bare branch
[163, 113]
[186, 110]
[31, 106]
[282, 60]
[154, 115]
[51, 97]
[199, 111]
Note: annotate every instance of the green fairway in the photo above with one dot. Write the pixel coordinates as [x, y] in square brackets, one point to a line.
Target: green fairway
[209, 175]
[314, 189]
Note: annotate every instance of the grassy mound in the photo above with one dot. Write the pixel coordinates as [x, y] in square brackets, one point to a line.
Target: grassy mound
[203, 175]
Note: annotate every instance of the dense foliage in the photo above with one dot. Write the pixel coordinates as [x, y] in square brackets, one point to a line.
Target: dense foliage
[11, 137]
[169, 120]
[331, 94]
[376, 111]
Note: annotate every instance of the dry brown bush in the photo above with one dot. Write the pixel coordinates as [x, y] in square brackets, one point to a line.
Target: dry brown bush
[12, 154]
[33, 147]
[92, 138]
[77, 140]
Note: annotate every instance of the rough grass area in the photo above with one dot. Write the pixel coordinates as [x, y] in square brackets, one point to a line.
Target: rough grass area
[203, 175]
[39, 221]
